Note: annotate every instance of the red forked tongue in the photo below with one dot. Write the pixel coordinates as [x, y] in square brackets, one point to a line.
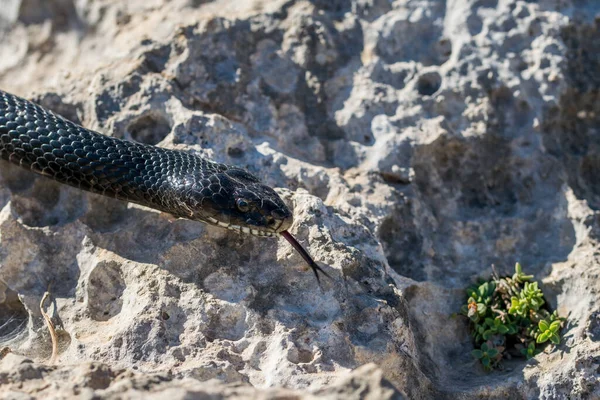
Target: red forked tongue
[288, 236]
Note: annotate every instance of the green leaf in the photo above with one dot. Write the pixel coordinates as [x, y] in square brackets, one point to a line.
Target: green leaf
[486, 335]
[554, 338]
[544, 326]
[543, 337]
[477, 353]
[489, 321]
[514, 305]
[518, 268]
[484, 347]
[483, 289]
[481, 308]
[525, 352]
[485, 361]
[555, 326]
[492, 353]
[503, 329]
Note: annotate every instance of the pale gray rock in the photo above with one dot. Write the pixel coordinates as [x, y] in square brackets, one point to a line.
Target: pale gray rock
[93, 380]
[418, 142]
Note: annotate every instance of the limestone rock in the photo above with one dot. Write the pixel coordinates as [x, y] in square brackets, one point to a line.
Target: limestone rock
[418, 142]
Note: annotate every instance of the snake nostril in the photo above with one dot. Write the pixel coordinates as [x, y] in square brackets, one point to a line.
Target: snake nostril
[270, 220]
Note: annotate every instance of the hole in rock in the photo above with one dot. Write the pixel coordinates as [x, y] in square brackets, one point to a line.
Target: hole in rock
[474, 24]
[304, 356]
[105, 290]
[402, 245]
[235, 152]
[332, 6]
[149, 129]
[17, 179]
[48, 203]
[105, 214]
[429, 83]
[13, 315]
[444, 47]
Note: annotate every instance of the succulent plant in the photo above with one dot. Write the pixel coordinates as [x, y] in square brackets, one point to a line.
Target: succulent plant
[511, 310]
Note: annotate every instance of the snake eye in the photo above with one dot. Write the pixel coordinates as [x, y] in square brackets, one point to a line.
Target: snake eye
[242, 205]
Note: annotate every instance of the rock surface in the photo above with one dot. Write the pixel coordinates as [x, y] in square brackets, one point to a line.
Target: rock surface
[89, 380]
[418, 142]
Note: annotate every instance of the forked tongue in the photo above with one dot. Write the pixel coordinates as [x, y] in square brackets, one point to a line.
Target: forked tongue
[311, 263]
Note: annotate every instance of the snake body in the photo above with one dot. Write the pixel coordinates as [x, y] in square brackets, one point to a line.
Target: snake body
[177, 182]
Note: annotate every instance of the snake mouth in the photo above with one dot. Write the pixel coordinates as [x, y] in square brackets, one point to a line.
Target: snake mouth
[243, 229]
[276, 226]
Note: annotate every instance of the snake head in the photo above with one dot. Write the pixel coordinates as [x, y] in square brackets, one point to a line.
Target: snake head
[237, 200]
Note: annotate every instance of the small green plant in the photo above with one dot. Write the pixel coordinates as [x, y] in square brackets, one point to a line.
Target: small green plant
[508, 317]
[530, 351]
[548, 329]
[487, 354]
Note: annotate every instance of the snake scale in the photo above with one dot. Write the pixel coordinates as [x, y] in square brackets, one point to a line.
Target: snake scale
[176, 182]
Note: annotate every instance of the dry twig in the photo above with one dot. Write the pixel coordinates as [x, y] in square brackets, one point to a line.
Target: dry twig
[51, 328]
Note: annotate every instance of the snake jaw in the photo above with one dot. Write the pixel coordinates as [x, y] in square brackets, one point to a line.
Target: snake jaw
[239, 228]
[284, 224]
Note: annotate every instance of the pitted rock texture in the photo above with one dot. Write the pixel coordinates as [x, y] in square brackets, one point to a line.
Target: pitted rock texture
[418, 143]
[96, 380]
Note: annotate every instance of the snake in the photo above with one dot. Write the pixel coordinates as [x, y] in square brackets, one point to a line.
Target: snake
[177, 182]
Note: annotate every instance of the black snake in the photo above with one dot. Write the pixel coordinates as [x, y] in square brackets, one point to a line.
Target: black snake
[177, 182]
